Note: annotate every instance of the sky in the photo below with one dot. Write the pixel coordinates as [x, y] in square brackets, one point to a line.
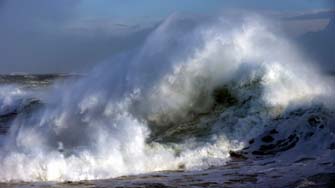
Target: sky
[129, 8]
[48, 36]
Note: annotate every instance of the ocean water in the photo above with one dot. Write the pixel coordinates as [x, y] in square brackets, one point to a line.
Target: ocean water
[192, 97]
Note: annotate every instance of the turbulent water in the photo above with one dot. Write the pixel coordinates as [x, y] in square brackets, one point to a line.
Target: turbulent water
[185, 100]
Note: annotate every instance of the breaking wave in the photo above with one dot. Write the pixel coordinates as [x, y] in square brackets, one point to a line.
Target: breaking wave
[191, 93]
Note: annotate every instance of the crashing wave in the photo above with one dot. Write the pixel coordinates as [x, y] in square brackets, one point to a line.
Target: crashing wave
[186, 99]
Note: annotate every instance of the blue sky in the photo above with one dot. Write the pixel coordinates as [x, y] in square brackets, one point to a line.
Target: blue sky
[66, 35]
[136, 10]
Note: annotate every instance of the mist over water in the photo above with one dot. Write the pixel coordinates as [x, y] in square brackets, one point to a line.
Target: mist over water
[101, 125]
